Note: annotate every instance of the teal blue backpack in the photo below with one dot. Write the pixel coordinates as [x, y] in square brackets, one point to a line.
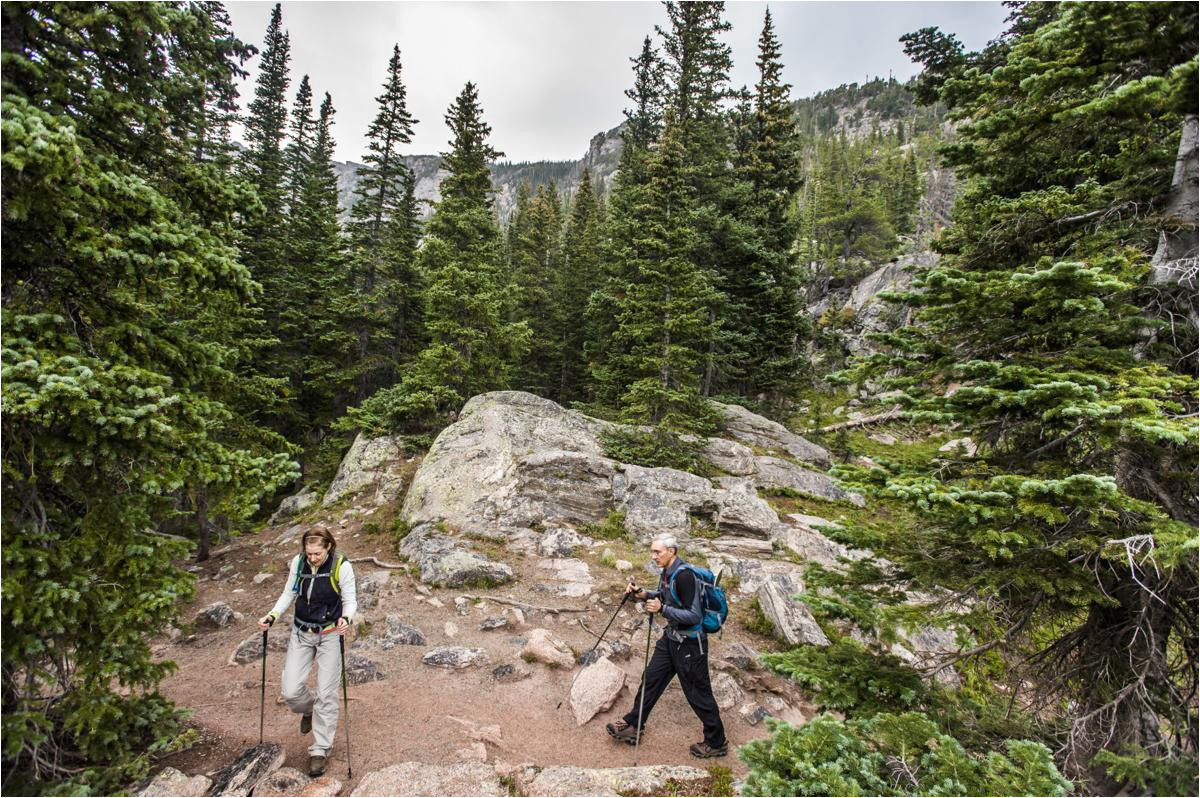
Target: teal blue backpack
[713, 603]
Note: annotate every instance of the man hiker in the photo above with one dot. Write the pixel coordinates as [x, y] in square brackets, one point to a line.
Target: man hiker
[321, 582]
[682, 650]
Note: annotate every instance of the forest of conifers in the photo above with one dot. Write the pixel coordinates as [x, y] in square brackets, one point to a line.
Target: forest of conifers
[189, 333]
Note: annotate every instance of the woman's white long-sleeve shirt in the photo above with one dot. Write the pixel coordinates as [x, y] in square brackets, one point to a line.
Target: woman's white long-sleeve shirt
[346, 584]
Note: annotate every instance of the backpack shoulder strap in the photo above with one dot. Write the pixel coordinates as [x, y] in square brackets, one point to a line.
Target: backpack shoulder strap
[296, 575]
[335, 574]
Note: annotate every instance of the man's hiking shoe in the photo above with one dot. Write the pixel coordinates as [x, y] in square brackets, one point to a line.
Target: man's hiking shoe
[306, 723]
[705, 751]
[316, 765]
[623, 731]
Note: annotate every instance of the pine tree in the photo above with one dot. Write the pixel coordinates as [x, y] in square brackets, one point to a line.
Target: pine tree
[1076, 524]
[317, 323]
[472, 346]
[578, 278]
[764, 284]
[114, 374]
[267, 119]
[535, 253]
[385, 228]
[602, 351]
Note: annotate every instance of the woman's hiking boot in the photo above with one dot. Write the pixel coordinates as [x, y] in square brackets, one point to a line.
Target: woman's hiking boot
[316, 765]
[306, 723]
[625, 732]
[703, 750]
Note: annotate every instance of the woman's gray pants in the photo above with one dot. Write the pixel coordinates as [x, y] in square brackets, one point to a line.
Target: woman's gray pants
[303, 649]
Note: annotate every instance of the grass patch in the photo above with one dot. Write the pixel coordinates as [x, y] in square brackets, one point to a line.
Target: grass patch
[703, 529]
[608, 560]
[612, 528]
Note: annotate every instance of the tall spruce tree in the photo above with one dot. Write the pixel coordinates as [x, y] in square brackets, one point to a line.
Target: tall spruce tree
[113, 374]
[385, 228]
[1075, 526]
[472, 346]
[764, 279]
[602, 351]
[578, 278]
[535, 263]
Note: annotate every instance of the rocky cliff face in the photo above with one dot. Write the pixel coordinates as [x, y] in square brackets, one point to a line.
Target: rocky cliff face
[602, 156]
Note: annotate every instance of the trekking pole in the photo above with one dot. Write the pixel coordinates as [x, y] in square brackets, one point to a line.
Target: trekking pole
[346, 704]
[637, 743]
[262, 697]
[585, 657]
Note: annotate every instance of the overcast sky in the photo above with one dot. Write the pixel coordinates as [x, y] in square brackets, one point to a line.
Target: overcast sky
[553, 74]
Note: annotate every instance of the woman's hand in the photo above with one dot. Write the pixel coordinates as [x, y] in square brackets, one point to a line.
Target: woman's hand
[264, 623]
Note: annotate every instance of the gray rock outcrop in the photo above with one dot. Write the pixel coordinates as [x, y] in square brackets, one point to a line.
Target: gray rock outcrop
[420, 779]
[645, 780]
[292, 506]
[372, 464]
[216, 616]
[753, 429]
[445, 562]
[792, 620]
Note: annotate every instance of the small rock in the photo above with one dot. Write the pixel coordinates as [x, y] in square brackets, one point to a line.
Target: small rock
[595, 689]
[360, 670]
[285, 781]
[624, 565]
[753, 713]
[967, 445]
[172, 782]
[397, 633]
[462, 605]
[741, 656]
[518, 615]
[455, 657]
[545, 647]
[450, 629]
[506, 674]
[260, 578]
[250, 649]
[424, 591]
[884, 438]
[433, 602]
[372, 583]
[500, 622]
[215, 616]
[726, 691]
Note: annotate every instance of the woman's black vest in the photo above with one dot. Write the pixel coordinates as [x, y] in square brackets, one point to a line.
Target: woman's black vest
[317, 602]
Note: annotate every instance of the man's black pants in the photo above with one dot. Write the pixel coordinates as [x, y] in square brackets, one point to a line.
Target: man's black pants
[685, 660]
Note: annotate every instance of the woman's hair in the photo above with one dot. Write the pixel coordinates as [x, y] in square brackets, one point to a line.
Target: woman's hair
[315, 534]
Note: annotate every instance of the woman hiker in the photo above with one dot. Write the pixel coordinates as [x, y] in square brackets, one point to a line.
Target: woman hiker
[321, 582]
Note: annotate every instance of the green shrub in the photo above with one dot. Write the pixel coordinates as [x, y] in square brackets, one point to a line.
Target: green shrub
[846, 676]
[888, 754]
[656, 448]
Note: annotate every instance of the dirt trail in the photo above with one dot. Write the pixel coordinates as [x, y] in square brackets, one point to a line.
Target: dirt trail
[417, 712]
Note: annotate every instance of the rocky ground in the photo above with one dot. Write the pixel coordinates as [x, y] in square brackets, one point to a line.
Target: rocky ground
[512, 545]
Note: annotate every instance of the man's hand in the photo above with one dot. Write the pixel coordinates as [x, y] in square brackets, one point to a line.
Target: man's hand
[264, 623]
[653, 606]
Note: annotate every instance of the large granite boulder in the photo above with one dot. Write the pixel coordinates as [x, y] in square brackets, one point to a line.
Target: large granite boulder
[444, 561]
[373, 465]
[542, 646]
[775, 472]
[514, 461]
